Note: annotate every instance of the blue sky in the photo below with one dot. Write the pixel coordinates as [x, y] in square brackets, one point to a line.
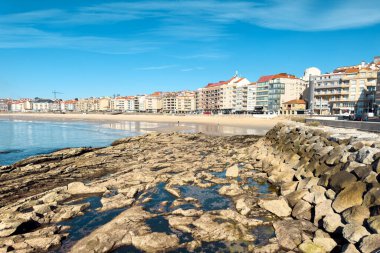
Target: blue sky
[94, 48]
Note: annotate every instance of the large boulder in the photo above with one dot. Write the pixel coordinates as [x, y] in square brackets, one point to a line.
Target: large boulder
[302, 210]
[374, 223]
[341, 180]
[278, 207]
[356, 215]
[309, 247]
[332, 222]
[295, 196]
[351, 196]
[328, 244]
[372, 197]
[321, 210]
[354, 233]
[370, 244]
[288, 233]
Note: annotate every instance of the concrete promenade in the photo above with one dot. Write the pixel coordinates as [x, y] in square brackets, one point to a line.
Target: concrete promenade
[360, 125]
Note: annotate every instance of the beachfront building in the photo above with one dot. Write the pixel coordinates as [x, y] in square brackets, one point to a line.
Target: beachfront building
[4, 105]
[185, 102]
[262, 91]
[251, 97]
[349, 89]
[141, 103]
[295, 106]
[240, 95]
[153, 102]
[69, 105]
[169, 102]
[273, 90]
[223, 96]
[102, 104]
[119, 104]
[284, 87]
[42, 105]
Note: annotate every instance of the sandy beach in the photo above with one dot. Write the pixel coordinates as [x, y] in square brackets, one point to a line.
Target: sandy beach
[230, 120]
[216, 124]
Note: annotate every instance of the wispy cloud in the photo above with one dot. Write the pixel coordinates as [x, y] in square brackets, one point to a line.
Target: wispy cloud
[15, 37]
[192, 69]
[174, 21]
[156, 67]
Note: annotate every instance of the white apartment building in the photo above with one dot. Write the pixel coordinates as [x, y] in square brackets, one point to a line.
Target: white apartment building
[42, 105]
[251, 97]
[185, 102]
[119, 104]
[169, 102]
[141, 103]
[153, 102]
[349, 89]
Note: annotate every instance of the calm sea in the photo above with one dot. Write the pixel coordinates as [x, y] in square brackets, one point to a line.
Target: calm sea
[20, 139]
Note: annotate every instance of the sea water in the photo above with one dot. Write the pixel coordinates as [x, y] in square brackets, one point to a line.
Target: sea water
[20, 139]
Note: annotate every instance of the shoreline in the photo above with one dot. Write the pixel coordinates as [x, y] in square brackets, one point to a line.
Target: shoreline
[210, 125]
[230, 120]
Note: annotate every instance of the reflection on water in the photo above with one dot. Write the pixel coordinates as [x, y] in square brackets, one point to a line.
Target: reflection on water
[212, 129]
[20, 139]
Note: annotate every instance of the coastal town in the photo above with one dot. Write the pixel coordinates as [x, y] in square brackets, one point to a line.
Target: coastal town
[347, 90]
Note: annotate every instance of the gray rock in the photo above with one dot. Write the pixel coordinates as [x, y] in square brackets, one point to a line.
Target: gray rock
[356, 215]
[341, 180]
[372, 197]
[354, 233]
[278, 207]
[309, 247]
[288, 187]
[327, 244]
[302, 210]
[330, 194]
[80, 188]
[296, 196]
[370, 244]
[321, 210]
[290, 233]
[374, 223]
[351, 196]
[332, 222]
[365, 155]
[232, 171]
[155, 242]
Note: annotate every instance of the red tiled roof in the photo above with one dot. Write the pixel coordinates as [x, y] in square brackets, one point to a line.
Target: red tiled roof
[352, 70]
[156, 94]
[296, 101]
[284, 75]
[264, 79]
[220, 83]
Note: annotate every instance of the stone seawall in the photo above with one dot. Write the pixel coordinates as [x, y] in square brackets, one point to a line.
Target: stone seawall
[328, 185]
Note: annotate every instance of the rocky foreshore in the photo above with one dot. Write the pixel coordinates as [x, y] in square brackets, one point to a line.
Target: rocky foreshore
[194, 193]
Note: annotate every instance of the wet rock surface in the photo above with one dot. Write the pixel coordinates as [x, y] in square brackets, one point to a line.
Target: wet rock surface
[152, 193]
